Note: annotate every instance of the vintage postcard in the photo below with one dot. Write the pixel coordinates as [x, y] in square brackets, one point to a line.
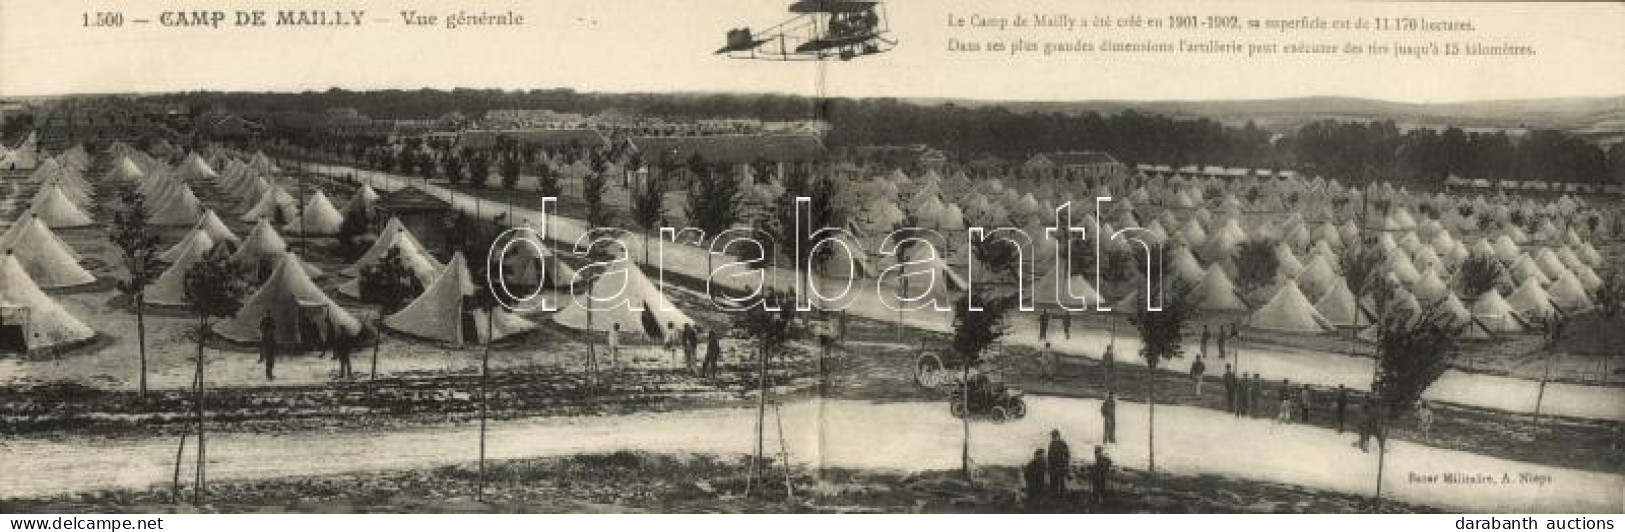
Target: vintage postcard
[812, 256]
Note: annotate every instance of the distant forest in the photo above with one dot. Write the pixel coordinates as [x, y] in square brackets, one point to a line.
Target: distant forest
[1347, 150]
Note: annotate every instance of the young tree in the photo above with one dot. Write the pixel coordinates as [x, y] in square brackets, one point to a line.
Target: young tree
[1478, 274]
[385, 160]
[648, 209]
[483, 302]
[509, 170]
[426, 165]
[593, 188]
[713, 199]
[1610, 303]
[388, 283]
[1161, 333]
[1256, 264]
[453, 166]
[354, 226]
[975, 331]
[1362, 268]
[634, 163]
[138, 246]
[1412, 352]
[770, 319]
[547, 181]
[1000, 255]
[479, 171]
[797, 246]
[215, 289]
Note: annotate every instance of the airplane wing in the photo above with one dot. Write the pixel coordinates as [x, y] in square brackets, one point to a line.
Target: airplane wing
[831, 6]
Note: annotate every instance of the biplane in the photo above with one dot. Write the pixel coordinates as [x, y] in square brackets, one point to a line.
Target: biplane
[819, 30]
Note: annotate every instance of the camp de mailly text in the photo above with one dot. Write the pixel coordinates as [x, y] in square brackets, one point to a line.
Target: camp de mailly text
[215, 19]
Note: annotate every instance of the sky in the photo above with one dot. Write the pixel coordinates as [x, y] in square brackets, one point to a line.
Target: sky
[662, 45]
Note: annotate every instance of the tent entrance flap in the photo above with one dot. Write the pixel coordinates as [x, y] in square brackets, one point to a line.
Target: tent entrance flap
[312, 332]
[14, 329]
[471, 327]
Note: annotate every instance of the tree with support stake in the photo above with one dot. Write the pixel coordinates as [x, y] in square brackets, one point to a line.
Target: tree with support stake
[1161, 334]
[1413, 351]
[1554, 327]
[138, 246]
[484, 303]
[771, 320]
[980, 322]
[215, 290]
[1610, 303]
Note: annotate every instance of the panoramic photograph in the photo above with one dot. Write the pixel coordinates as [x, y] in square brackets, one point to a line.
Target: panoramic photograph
[831, 264]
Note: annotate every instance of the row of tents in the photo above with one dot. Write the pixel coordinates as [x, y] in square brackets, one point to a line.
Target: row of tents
[287, 293]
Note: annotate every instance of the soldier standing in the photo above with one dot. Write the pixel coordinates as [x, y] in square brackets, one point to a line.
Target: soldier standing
[1230, 391]
[1342, 406]
[268, 345]
[1060, 464]
[1035, 475]
[1108, 417]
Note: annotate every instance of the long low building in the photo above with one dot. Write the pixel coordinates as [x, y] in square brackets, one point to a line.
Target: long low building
[735, 152]
[532, 139]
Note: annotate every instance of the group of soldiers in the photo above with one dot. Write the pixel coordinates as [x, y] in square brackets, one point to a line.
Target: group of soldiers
[337, 341]
[1047, 475]
[687, 338]
[1245, 395]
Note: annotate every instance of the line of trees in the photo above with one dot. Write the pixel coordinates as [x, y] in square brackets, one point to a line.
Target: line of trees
[1349, 150]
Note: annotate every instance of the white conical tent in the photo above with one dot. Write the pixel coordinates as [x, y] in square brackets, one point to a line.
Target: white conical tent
[47, 259]
[1460, 316]
[76, 192]
[440, 312]
[216, 228]
[1340, 308]
[1217, 292]
[170, 287]
[1532, 300]
[1525, 268]
[1317, 277]
[263, 246]
[1399, 265]
[623, 295]
[1496, 314]
[417, 261]
[271, 202]
[1505, 249]
[57, 210]
[319, 217]
[297, 308]
[1186, 267]
[25, 157]
[1289, 311]
[175, 205]
[262, 163]
[1569, 294]
[1076, 294]
[527, 261]
[194, 167]
[49, 324]
[393, 231]
[249, 189]
[1429, 287]
[157, 184]
[930, 280]
[1589, 254]
[195, 238]
[363, 203]
[1549, 264]
[1288, 263]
